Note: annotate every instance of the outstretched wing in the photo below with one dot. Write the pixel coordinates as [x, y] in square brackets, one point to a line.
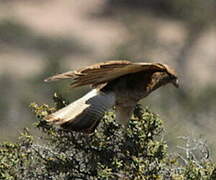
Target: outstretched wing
[104, 72]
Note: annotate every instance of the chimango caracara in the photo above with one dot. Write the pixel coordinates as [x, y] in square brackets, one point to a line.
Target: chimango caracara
[114, 83]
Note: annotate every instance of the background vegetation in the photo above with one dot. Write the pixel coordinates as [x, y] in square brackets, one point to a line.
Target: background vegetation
[112, 152]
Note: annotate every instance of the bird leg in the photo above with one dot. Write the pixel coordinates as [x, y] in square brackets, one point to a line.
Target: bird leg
[123, 114]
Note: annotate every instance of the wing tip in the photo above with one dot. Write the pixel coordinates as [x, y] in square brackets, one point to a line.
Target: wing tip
[53, 119]
[66, 75]
[47, 79]
[52, 78]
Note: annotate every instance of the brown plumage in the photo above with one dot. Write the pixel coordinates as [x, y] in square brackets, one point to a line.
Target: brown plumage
[119, 83]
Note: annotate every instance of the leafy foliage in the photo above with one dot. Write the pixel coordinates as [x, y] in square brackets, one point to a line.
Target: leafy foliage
[112, 152]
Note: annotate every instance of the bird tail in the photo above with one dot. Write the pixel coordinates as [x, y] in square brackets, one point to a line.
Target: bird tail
[85, 113]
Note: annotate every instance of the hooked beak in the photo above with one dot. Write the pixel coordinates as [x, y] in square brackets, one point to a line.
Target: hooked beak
[175, 83]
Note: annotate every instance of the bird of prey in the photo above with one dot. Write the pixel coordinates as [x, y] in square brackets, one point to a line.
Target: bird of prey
[114, 83]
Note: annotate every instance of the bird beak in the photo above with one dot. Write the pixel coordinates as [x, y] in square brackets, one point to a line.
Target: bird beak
[175, 83]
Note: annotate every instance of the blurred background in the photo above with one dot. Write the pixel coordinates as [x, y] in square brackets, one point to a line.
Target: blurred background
[42, 38]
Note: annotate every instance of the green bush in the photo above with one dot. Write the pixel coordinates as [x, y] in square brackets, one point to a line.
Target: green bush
[112, 152]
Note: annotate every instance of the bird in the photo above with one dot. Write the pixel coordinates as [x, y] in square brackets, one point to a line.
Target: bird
[119, 83]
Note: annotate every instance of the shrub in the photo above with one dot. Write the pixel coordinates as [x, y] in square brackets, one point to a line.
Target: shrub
[112, 152]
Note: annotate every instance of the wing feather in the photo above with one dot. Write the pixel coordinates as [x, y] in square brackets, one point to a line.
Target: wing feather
[105, 72]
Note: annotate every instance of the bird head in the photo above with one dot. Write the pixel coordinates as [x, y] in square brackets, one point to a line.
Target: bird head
[165, 76]
[171, 76]
[175, 82]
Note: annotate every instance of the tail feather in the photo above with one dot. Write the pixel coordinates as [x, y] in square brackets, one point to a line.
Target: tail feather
[85, 113]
